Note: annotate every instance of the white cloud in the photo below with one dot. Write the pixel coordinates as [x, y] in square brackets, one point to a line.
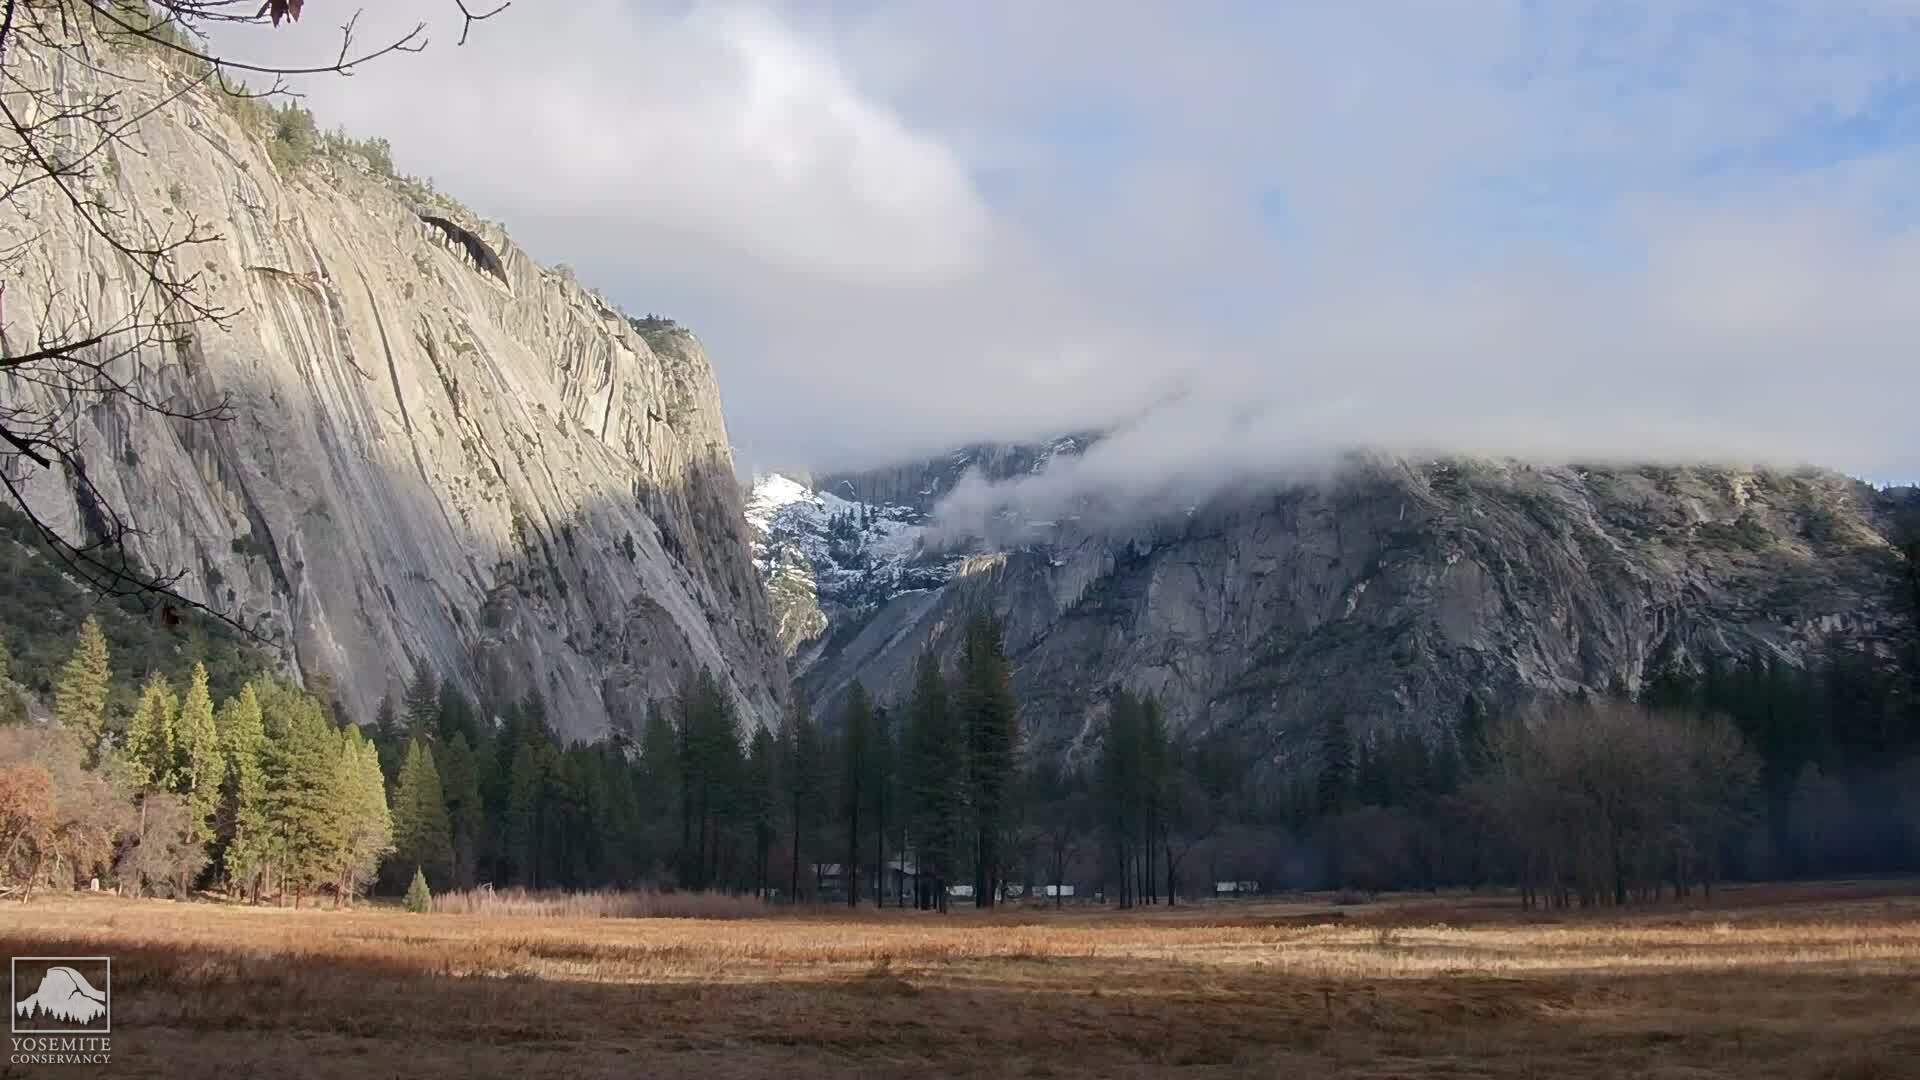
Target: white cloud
[1677, 228]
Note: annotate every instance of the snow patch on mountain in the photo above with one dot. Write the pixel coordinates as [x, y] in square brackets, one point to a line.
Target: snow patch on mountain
[824, 557]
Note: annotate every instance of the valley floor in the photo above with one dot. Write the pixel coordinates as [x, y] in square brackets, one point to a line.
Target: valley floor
[1771, 981]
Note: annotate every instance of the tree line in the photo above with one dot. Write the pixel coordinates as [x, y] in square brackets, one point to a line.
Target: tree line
[1749, 768]
[263, 792]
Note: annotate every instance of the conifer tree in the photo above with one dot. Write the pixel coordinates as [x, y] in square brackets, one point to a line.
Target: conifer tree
[390, 741]
[986, 706]
[806, 770]
[936, 758]
[303, 791]
[243, 797]
[422, 711]
[199, 763]
[466, 816]
[856, 722]
[368, 826]
[152, 762]
[763, 802]
[421, 834]
[419, 897]
[80, 698]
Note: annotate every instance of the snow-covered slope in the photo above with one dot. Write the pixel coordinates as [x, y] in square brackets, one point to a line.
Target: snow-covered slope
[824, 556]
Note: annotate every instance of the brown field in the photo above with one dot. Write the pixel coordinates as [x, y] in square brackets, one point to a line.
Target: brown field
[1773, 981]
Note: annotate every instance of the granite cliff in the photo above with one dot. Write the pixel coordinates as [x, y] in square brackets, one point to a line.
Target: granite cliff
[435, 456]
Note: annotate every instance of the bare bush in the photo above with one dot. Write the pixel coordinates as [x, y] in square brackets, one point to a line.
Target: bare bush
[59, 822]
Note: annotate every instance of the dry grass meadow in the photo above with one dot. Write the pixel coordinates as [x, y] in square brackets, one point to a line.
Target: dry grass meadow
[1802, 981]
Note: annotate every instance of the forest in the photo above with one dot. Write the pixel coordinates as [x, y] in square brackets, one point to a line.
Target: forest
[158, 785]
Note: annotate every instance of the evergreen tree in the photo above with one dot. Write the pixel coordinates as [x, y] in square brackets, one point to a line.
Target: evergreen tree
[710, 767]
[806, 784]
[526, 825]
[419, 897]
[1122, 783]
[936, 767]
[457, 716]
[200, 764]
[421, 834]
[856, 723]
[659, 785]
[390, 741]
[245, 828]
[152, 763]
[368, 825]
[304, 798]
[466, 816]
[986, 706]
[80, 698]
[422, 706]
[763, 802]
[880, 788]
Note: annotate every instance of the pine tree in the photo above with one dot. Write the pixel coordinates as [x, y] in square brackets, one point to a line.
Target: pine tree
[527, 811]
[659, 783]
[389, 739]
[243, 793]
[419, 897]
[466, 816]
[368, 825]
[80, 698]
[457, 716]
[880, 787]
[856, 722]
[987, 711]
[936, 766]
[762, 802]
[200, 765]
[152, 762]
[304, 797]
[805, 771]
[421, 834]
[422, 707]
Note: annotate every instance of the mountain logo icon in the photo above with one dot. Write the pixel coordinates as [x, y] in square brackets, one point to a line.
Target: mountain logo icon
[62, 995]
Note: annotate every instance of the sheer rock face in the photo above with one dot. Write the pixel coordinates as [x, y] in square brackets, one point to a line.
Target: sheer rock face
[1391, 590]
[510, 482]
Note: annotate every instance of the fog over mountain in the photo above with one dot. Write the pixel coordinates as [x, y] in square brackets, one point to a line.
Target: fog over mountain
[1674, 231]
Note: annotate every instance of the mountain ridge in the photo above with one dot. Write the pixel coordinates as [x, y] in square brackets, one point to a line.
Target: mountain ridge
[1390, 590]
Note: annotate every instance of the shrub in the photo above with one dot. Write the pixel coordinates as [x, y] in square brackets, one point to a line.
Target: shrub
[419, 898]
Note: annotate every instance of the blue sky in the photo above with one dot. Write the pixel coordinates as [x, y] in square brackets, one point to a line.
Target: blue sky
[1681, 229]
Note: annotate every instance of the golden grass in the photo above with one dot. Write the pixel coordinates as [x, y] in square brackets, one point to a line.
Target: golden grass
[599, 904]
[1799, 982]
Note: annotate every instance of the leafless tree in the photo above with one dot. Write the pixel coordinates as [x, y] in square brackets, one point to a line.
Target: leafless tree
[64, 350]
[1604, 803]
